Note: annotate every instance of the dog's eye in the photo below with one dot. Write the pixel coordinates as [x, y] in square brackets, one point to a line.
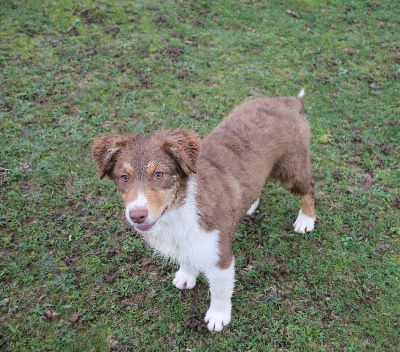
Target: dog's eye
[125, 178]
[158, 175]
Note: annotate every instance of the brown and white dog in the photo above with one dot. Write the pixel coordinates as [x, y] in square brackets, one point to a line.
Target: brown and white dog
[186, 196]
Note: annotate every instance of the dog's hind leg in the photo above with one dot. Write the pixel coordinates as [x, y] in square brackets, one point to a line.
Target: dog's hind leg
[306, 218]
[296, 178]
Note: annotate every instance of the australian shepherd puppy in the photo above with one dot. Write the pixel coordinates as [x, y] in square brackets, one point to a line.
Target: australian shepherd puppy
[186, 195]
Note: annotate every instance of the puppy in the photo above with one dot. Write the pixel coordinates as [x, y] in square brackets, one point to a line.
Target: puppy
[186, 196]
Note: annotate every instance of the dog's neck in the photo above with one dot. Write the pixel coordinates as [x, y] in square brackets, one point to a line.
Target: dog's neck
[178, 234]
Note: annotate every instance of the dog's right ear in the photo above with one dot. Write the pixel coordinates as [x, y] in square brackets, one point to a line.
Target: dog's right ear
[105, 150]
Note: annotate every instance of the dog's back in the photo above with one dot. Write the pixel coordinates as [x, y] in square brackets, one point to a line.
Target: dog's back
[260, 139]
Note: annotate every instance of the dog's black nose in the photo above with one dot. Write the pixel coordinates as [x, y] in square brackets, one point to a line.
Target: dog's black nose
[138, 215]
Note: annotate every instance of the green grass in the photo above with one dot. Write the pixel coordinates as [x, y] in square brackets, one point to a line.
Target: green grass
[74, 70]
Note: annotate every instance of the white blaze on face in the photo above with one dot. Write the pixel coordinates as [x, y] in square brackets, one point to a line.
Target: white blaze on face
[139, 202]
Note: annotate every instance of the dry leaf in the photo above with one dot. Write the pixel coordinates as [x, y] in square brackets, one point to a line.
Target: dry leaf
[294, 14]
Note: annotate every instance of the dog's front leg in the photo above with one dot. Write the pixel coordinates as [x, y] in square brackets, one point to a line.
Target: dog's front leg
[221, 287]
[185, 277]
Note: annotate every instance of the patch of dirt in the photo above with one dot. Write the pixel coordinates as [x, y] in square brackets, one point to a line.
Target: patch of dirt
[128, 302]
[92, 52]
[112, 252]
[383, 246]
[90, 16]
[69, 261]
[133, 257]
[192, 322]
[137, 301]
[272, 291]
[386, 149]
[374, 5]
[161, 20]
[369, 300]
[394, 123]
[315, 242]
[250, 224]
[197, 22]
[349, 51]
[357, 139]
[7, 106]
[75, 249]
[74, 111]
[76, 318]
[73, 32]
[337, 175]
[393, 75]
[284, 271]
[200, 115]
[368, 78]
[146, 80]
[43, 99]
[324, 80]
[182, 75]
[111, 29]
[172, 51]
[152, 8]
[26, 186]
[5, 279]
[177, 35]
[368, 341]
[50, 314]
[332, 63]
[144, 52]
[134, 19]
[366, 183]
[396, 202]
[111, 275]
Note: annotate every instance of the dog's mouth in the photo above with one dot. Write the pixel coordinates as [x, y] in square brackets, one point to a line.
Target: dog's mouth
[144, 228]
[147, 227]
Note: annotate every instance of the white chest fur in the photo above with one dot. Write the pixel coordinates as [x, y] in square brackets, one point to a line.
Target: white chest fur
[178, 235]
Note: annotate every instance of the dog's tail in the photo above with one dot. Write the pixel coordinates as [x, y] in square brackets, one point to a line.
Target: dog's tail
[300, 101]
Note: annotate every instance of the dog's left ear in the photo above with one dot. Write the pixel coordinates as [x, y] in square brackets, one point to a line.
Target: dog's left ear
[184, 147]
[105, 151]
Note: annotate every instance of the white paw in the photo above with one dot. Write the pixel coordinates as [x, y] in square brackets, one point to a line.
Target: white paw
[253, 207]
[217, 320]
[183, 280]
[303, 223]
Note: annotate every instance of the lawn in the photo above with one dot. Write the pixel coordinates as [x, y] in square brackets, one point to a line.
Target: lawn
[73, 274]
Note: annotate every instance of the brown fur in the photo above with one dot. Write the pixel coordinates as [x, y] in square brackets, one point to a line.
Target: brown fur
[259, 140]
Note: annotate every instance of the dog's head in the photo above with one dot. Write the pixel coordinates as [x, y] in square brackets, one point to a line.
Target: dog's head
[149, 171]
